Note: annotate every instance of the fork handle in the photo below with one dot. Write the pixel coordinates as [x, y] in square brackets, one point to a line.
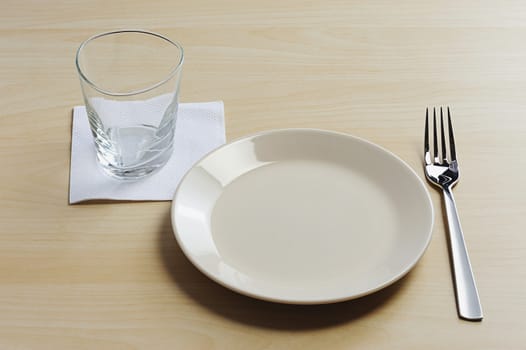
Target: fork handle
[468, 301]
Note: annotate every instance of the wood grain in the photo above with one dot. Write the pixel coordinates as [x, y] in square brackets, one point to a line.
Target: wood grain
[111, 276]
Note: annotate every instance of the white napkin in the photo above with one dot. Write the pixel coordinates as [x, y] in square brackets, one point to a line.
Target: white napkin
[200, 129]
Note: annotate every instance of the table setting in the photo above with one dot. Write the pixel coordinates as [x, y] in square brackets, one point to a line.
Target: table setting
[236, 181]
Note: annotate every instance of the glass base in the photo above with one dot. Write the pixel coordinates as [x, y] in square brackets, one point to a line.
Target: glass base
[138, 172]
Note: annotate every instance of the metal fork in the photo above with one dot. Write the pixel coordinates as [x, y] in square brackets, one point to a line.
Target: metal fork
[443, 172]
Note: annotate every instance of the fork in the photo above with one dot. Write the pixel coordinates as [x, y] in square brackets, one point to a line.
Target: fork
[443, 172]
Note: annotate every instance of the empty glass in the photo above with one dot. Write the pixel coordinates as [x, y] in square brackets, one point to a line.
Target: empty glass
[130, 83]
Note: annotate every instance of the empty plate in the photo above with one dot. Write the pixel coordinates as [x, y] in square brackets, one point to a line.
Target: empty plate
[302, 216]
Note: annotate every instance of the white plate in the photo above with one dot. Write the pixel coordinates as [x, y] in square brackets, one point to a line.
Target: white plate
[302, 216]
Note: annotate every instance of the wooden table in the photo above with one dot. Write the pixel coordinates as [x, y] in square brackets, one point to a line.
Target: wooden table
[111, 276]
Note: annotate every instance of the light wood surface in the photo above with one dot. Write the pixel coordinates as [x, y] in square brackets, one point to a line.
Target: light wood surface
[111, 276]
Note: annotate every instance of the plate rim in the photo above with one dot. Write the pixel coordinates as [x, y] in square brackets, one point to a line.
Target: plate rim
[313, 301]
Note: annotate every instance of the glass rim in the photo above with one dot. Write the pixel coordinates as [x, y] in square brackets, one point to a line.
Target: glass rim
[170, 75]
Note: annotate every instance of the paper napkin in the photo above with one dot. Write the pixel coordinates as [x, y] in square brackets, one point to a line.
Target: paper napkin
[200, 129]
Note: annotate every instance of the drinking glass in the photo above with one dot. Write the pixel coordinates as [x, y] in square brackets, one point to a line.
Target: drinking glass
[130, 83]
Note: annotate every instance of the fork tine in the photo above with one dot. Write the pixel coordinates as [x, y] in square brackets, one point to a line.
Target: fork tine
[426, 139]
[443, 137]
[452, 150]
[435, 139]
